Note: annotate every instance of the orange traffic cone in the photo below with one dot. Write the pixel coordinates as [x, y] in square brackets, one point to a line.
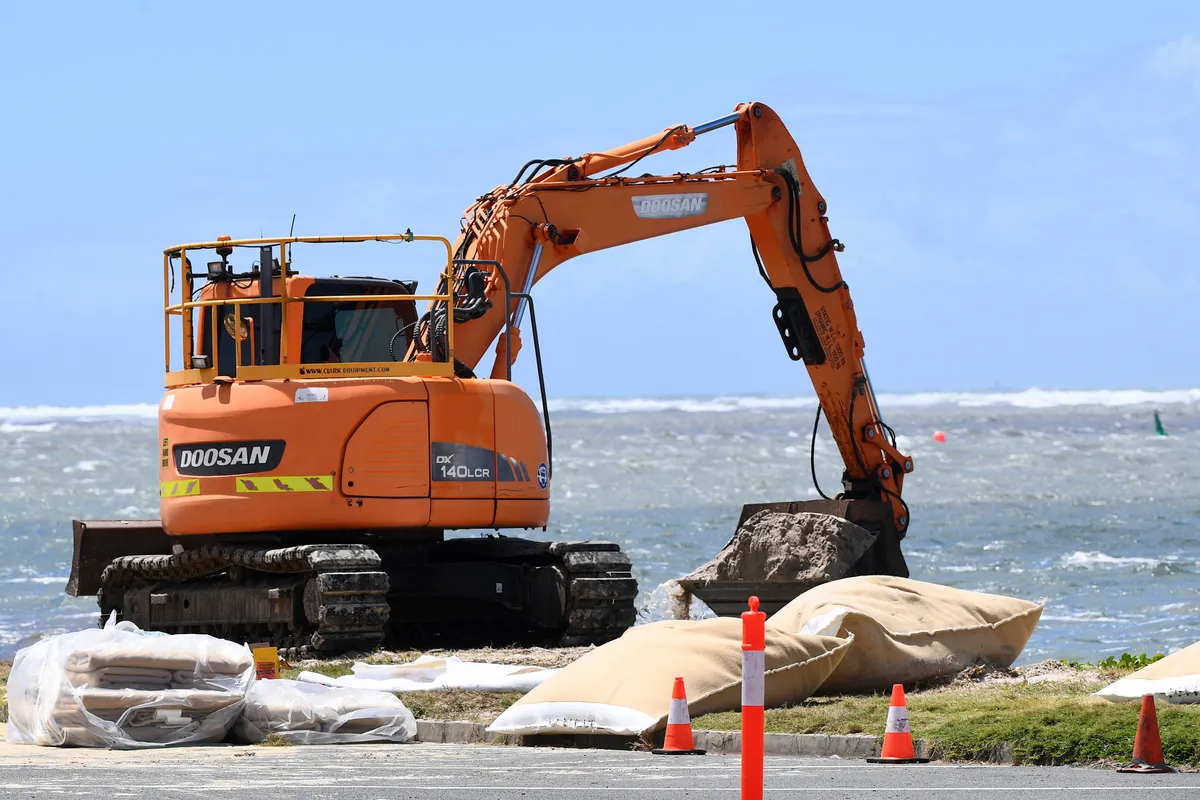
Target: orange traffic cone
[678, 741]
[897, 736]
[1147, 746]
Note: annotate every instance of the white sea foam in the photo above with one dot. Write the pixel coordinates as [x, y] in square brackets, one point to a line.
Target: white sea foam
[24, 415]
[83, 466]
[666, 601]
[1030, 398]
[16, 417]
[44, 427]
[37, 579]
[1096, 559]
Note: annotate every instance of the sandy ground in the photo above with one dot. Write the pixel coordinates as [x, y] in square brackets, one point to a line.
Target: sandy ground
[1041, 672]
[523, 656]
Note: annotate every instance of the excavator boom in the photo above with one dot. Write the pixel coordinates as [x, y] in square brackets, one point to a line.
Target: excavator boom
[556, 209]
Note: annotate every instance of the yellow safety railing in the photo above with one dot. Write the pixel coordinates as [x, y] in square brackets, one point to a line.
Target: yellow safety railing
[286, 368]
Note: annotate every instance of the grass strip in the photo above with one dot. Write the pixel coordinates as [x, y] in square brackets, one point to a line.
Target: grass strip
[1050, 723]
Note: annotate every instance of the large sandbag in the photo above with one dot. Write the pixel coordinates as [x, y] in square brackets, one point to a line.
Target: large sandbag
[624, 687]
[1175, 679]
[907, 631]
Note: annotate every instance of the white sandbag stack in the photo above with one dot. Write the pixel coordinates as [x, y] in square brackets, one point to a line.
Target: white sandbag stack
[1175, 679]
[309, 713]
[122, 688]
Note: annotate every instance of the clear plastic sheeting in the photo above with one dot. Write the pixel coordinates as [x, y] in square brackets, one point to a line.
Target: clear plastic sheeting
[309, 713]
[429, 673]
[122, 688]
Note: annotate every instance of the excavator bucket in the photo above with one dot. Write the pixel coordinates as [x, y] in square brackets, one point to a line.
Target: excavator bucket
[749, 564]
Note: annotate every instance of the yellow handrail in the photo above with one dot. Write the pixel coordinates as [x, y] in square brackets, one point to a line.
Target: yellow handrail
[340, 298]
[370, 237]
[284, 370]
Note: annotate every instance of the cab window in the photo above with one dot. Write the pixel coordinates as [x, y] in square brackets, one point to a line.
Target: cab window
[356, 331]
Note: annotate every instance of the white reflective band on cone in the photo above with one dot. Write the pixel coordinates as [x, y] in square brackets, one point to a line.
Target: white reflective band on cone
[897, 720]
[679, 713]
[753, 678]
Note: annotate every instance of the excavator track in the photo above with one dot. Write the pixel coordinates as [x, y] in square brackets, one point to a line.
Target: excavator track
[324, 599]
[319, 599]
[555, 594]
[600, 591]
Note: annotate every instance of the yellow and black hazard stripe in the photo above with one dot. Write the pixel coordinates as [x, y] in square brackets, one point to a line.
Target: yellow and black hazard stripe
[179, 488]
[290, 483]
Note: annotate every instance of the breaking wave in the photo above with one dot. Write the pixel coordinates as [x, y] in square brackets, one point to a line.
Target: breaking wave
[28, 415]
[12, 418]
[1029, 398]
[1096, 559]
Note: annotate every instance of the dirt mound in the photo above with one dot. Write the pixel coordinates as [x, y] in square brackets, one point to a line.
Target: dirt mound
[983, 672]
[773, 546]
[1056, 671]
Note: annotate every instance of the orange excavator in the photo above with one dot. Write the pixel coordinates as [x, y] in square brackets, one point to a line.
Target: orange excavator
[321, 435]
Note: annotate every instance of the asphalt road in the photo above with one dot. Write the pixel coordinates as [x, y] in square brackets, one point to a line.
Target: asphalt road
[442, 772]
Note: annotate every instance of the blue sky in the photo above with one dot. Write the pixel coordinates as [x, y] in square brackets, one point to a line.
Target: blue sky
[1017, 186]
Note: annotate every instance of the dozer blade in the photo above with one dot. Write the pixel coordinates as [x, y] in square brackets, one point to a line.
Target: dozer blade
[98, 542]
[876, 554]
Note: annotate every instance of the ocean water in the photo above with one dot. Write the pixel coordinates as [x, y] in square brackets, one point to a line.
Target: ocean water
[1066, 497]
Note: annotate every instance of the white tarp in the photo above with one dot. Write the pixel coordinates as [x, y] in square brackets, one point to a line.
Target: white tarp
[429, 673]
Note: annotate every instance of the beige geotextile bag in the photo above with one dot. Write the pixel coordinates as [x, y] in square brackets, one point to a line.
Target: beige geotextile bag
[906, 631]
[624, 687]
[1175, 679]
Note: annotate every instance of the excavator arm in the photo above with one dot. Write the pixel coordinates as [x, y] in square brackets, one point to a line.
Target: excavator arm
[556, 209]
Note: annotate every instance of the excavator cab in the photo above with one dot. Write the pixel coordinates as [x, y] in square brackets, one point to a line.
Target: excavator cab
[333, 331]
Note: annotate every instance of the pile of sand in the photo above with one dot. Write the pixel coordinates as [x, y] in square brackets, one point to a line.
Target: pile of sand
[773, 546]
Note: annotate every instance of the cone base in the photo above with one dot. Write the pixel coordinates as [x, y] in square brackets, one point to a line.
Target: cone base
[661, 752]
[897, 760]
[1139, 766]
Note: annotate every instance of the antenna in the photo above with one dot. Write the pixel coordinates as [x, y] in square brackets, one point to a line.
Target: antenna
[293, 226]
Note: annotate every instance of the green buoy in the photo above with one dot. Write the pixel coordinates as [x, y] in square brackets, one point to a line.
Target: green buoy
[1158, 426]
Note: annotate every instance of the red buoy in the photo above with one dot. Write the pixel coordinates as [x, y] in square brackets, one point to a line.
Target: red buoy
[939, 437]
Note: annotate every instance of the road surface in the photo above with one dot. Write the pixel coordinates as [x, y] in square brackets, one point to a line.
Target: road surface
[446, 772]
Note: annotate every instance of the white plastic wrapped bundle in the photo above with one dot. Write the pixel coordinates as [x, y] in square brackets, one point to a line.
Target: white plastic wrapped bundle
[308, 713]
[122, 688]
